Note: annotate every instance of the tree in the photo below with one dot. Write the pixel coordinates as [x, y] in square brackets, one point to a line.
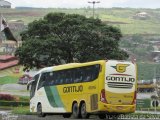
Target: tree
[68, 37]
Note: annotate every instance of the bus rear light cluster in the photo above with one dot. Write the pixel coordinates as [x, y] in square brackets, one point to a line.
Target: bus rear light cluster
[103, 96]
[134, 99]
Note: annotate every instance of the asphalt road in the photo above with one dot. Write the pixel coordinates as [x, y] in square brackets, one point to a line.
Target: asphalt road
[6, 115]
[35, 117]
[14, 89]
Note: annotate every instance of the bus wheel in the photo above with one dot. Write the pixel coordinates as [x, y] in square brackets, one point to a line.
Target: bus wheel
[67, 115]
[39, 111]
[102, 116]
[84, 113]
[75, 110]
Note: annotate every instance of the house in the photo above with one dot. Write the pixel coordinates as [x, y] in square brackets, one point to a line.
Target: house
[8, 47]
[16, 25]
[5, 4]
[141, 16]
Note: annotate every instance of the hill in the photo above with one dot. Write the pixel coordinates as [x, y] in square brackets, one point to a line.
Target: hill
[124, 18]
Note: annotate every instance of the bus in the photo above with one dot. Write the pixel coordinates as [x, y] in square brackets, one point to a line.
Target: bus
[146, 86]
[103, 87]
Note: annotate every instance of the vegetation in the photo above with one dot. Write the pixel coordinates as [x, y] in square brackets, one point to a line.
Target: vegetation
[22, 110]
[18, 104]
[14, 103]
[68, 37]
[138, 45]
[6, 97]
[120, 17]
[148, 71]
[10, 100]
[8, 79]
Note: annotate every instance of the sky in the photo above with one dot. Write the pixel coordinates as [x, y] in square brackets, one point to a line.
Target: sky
[84, 3]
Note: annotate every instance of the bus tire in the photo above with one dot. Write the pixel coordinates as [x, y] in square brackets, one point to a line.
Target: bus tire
[39, 111]
[67, 115]
[102, 116]
[83, 111]
[75, 111]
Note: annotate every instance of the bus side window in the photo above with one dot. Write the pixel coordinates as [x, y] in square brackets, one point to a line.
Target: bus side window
[96, 70]
[67, 76]
[72, 78]
[56, 78]
[87, 74]
[91, 73]
[82, 74]
[62, 77]
[51, 79]
[77, 76]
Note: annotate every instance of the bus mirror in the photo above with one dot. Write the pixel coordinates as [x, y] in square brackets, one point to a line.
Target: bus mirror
[29, 83]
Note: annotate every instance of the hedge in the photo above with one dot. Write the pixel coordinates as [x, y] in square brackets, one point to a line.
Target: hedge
[14, 103]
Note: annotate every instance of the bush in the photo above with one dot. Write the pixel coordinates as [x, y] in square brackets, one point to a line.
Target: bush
[24, 98]
[6, 97]
[14, 103]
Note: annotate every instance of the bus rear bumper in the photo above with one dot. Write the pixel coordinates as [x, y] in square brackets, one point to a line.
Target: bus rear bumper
[109, 108]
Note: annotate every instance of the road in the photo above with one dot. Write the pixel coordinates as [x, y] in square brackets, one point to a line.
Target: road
[145, 95]
[14, 89]
[9, 116]
[35, 117]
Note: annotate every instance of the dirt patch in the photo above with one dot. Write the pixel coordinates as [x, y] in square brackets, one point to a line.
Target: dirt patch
[34, 14]
[115, 22]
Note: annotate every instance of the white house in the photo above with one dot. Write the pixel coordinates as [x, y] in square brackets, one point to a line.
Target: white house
[5, 4]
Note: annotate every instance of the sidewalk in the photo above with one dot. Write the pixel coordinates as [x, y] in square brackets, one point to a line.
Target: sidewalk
[149, 112]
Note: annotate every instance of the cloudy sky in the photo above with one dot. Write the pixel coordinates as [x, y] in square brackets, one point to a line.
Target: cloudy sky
[84, 3]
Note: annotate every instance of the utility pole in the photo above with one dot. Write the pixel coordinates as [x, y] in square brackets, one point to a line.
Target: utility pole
[93, 2]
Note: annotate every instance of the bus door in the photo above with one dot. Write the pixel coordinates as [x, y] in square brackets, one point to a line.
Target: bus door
[33, 84]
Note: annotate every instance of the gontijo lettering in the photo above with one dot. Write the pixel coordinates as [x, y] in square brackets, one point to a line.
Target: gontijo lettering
[71, 89]
[120, 79]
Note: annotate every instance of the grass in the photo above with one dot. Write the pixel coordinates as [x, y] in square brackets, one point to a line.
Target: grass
[24, 98]
[23, 110]
[147, 71]
[8, 80]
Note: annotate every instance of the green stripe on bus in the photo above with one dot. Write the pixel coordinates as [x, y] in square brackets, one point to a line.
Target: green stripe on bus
[53, 96]
[50, 96]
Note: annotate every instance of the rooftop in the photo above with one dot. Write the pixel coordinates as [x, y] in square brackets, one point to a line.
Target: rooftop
[6, 57]
[7, 61]
[8, 64]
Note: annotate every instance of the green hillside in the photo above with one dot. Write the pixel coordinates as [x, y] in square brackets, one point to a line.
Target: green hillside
[148, 71]
[122, 18]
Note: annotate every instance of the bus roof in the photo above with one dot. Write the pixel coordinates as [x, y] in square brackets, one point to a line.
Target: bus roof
[67, 66]
[73, 65]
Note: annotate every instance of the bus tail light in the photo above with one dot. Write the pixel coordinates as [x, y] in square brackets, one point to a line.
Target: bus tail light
[103, 96]
[134, 99]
